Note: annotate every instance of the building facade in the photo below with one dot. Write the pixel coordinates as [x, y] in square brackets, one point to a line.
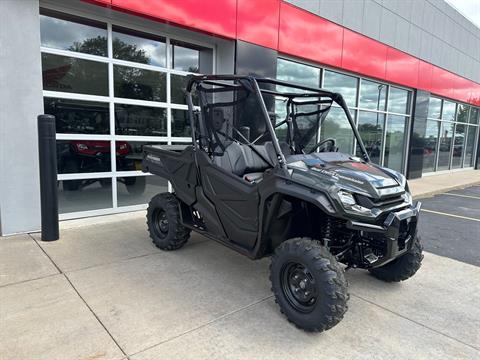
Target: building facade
[113, 73]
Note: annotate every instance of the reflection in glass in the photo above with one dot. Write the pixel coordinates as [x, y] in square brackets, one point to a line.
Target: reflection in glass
[141, 84]
[178, 86]
[462, 113]
[458, 146]
[66, 32]
[474, 115]
[470, 146]
[395, 142]
[372, 95]
[83, 195]
[130, 159]
[430, 145]
[78, 116]
[83, 156]
[140, 120]
[446, 137]
[298, 73]
[180, 126]
[138, 47]
[448, 112]
[370, 126]
[137, 190]
[343, 84]
[434, 108]
[336, 126]
[66, 74]
[398, 100]
[187, 57]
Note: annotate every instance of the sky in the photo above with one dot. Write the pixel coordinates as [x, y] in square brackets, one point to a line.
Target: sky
[468, 8]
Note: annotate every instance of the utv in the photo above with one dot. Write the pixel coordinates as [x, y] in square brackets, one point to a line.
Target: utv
[270, 186]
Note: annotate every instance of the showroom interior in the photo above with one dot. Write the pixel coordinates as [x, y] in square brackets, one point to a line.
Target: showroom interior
[113, 74]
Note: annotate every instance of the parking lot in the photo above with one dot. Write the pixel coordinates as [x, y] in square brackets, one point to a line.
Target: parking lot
[103, 291]
[450, 224]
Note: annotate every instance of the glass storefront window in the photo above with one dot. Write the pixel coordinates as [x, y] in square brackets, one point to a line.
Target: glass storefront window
[430, 145]
[83, 156]
[78, 116]
[136, 190]
[372, 95]
[395, 142]
[370, 126]
[463, 113]
[336, 126]
[469, 159]
[298, 73]
[448, 111]
[73, 75]
[138, 105]
[140, 120]
[474, 116]
[139, 47]
[190, 58]
[84, 195]
[399, 101]
[434, 108]
[446, 137]
[141, 84]
[66, 32]
[343, 84]
[180, 126]
[458, 146]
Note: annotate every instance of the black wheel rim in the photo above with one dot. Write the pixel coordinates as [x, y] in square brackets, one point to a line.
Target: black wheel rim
[298, 285]
[160, 223]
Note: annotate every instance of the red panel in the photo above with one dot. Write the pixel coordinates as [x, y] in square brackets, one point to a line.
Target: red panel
[257, 22]
[442, 82]
[402, 68]
[425, 71]
[308, 36]
[211, 16]
[363, 55]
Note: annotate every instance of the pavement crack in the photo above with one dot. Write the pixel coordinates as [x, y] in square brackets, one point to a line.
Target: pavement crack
[81, 297]
[205, 324]
[416, 322]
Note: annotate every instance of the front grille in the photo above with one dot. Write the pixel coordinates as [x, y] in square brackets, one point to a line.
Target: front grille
[381, 203]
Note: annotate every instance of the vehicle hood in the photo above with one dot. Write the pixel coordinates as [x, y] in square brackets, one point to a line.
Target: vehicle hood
[346, 172]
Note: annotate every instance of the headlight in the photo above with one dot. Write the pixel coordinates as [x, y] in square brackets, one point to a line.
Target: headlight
[346, 198]
[349, 203]
[408, 197]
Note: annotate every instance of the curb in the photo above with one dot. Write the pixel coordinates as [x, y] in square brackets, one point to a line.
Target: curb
[444, 190]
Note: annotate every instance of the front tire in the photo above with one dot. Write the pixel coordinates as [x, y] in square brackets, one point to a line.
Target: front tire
[163, 220]
[309, 284]
[403, 267]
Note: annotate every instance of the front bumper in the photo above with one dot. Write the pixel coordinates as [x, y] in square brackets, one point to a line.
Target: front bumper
[398, 232]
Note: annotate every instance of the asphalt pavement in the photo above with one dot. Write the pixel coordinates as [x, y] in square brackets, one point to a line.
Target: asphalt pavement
[450, 224]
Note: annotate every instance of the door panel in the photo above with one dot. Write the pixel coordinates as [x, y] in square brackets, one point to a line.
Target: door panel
[236, 202]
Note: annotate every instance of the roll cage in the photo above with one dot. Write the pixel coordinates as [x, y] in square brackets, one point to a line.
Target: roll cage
[209, 86]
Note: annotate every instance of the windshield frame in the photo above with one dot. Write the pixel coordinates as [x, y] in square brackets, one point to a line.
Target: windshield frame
[309, 92]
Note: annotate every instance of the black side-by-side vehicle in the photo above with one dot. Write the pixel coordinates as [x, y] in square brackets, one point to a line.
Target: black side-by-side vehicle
[262, 177]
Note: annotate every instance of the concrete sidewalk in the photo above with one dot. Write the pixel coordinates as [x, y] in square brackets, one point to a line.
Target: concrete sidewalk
[105, 292]
[439, 183]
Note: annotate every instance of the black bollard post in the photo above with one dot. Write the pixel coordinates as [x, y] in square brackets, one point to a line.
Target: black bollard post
[47, 150]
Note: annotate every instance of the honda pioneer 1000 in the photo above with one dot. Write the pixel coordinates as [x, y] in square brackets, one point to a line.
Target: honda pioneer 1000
[264, 176]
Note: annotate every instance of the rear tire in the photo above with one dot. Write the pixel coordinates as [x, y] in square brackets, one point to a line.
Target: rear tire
[163, 220]
[403, 267]
[309, 284]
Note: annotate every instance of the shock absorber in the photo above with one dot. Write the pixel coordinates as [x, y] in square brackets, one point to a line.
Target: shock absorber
[327, 231]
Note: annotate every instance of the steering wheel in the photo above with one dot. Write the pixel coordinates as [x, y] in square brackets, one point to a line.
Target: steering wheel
[323, 142]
